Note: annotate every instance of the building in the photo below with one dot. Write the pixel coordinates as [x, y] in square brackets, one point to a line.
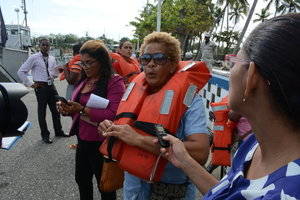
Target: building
[18, 37]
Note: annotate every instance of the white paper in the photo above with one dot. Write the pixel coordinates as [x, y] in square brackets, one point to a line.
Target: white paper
[96, 101]
[8, 142]
[25, 126]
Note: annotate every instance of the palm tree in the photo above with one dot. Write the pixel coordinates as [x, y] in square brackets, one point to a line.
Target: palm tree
[218, 15]
[262, 16]
[246, 26]
[231, 4]
[288, 6]
[237, 13]
[276, 3]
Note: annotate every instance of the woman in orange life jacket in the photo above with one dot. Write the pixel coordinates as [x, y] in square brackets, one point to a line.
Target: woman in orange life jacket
[123, 64]
[160, 56]
[264, 88]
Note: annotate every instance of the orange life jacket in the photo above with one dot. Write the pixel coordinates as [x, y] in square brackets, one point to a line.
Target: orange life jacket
[129, 68]
[73, 65]
[143, 111]
[222, 134]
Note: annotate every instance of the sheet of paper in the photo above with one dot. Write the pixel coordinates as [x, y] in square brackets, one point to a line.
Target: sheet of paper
[25, 126]
[96, 101]
[8, 142]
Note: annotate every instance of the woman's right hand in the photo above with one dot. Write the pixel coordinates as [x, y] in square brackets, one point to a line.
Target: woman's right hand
[176, 153]
[103, 126]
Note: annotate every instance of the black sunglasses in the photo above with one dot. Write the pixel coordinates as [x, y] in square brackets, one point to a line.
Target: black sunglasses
[158, 58]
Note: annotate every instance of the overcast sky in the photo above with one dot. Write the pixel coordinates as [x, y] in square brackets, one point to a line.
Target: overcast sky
[97, 17]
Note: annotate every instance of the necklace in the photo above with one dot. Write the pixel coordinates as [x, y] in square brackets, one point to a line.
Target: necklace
[91, 83]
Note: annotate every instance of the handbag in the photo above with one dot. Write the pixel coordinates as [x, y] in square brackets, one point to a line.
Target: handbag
[111, 177]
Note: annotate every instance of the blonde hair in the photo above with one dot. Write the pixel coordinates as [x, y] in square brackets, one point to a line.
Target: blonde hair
[170, 43]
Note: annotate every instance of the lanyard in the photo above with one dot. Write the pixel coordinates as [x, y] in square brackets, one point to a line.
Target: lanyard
[47, 65]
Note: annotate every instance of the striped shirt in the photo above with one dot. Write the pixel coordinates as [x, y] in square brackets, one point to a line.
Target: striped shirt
[36, 64]
[283, 183]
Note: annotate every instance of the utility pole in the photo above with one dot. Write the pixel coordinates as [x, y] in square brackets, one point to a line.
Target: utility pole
[158, 19]
[25, 12]
[19, 28]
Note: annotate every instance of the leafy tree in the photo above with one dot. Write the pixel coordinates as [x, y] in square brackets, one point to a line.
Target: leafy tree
[288, 6]
[238, 10]
[262, 16]
[230, 39]
[276, 4]
[185, 19]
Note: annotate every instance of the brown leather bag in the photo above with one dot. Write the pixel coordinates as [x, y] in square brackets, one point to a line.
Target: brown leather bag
[112, 177]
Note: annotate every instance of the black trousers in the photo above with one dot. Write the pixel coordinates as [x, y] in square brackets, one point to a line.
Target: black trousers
[45, 96]
[88, 164]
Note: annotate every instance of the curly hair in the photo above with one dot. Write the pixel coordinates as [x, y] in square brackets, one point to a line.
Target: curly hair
[171, 44]
[97, 50]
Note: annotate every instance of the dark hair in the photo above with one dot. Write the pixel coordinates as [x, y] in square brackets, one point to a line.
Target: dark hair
[274, 47]
[97, 50]
[122, 43]
[42, 40]
[76, 48]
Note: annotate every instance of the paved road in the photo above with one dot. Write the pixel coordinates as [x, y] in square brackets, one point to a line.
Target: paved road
[34, 170]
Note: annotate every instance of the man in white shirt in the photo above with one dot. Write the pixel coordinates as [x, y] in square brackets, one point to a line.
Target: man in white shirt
[43, 69]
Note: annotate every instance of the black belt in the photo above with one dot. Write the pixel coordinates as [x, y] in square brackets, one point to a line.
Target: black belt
[41, 84]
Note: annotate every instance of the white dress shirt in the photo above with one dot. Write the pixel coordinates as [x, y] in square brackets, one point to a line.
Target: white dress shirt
[36, 64]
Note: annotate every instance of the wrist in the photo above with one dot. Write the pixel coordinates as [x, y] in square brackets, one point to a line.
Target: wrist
[187, 162]
[82, 111]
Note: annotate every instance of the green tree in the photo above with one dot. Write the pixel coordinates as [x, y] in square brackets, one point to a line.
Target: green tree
[185, 19]
[262, 16]
[228, 6]
[238, 12]
[230, 39]
[288, 6]
[276, 4]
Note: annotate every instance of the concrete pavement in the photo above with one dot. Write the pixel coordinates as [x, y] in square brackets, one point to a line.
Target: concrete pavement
[32, 170]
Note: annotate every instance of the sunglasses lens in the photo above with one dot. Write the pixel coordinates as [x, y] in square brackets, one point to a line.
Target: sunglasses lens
[145, 59]
[159, 59]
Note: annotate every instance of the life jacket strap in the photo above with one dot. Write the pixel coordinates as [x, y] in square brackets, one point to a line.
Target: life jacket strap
[148, 127]
[126, 115]
[220, 148]
[111, 142]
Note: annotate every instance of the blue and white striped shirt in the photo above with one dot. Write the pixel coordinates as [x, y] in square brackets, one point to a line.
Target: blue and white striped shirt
[284, 183]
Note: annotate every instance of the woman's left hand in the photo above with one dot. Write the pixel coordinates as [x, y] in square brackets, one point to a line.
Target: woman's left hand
[123, 132]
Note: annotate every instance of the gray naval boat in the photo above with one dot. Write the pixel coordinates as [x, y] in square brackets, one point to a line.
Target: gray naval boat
[15, 44]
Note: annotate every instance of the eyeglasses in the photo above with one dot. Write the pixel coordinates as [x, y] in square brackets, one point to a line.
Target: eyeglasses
[127, 47]
[88, 64]
[158, 58]
[233, 60]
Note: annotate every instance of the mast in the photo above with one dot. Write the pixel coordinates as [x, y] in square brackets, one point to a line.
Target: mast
[25, 12]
